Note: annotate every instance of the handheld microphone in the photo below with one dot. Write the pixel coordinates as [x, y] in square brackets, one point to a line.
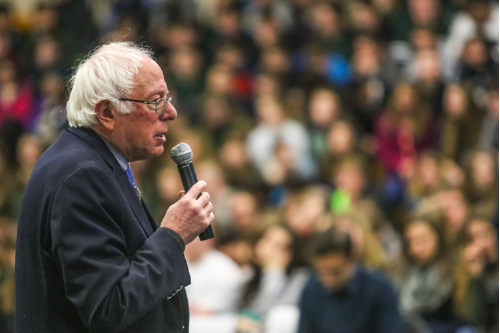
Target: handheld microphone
[182, 155]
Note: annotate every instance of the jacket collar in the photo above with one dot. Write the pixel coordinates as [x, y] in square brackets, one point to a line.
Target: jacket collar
[93, 139]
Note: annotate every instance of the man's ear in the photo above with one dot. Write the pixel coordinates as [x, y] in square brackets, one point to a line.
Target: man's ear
[104, 114]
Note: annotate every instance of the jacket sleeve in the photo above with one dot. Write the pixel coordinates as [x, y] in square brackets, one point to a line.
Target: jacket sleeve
[109, 288]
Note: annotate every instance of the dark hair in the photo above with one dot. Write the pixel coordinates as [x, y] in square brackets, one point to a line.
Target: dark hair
[332, 241]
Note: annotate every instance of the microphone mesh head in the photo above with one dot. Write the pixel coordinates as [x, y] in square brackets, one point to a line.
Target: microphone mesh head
[181, 154]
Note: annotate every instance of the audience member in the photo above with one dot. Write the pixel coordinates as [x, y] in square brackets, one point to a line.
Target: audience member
[423, 276]
[343, 295]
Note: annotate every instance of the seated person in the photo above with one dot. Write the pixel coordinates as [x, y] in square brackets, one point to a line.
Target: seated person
[344, 296]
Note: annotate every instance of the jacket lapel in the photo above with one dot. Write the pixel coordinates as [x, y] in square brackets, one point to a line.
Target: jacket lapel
[150, 217]
[128, 190]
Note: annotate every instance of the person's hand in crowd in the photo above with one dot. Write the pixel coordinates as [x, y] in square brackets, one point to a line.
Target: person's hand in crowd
[474, 259]
[190, 215]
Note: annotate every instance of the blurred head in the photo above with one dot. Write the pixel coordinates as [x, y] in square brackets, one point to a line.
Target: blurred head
[341, 138]
[8, 72]
[324, 107]
[47, 52]
[244, 211]
[404, 98]
[277, 241]
[269, 110]
[266, 84]
[303, 209]
[267, 32]
[480, 10]
[186, 63]
[455, 209]
[428, 65]
[178, 34]
[274, 60]
[220, 80]
[363, 17]
[481, 233]
[114, 71]
[424, 13]
[333, 259]
[349, 176]
[475, 52]
[45, 17]
[233, 154]
[29, 149]
[428, 170]
[366, 58]
[230, 55]
[455, 101]
[482, 171]
[228, 21]
[451, 173]
[424, 242]
[324, 19]
[51, 85]
[216, 111]
[423, 38]
[211, 172]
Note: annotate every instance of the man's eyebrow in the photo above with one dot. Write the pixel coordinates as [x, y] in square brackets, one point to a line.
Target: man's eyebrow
[160, 92]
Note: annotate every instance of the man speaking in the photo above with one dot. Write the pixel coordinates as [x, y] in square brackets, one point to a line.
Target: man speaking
[90, 257]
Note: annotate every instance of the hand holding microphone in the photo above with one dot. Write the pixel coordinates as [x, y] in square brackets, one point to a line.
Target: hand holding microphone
[192, 214]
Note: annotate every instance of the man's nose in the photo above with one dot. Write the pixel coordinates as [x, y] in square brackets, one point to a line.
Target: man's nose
[170, 113]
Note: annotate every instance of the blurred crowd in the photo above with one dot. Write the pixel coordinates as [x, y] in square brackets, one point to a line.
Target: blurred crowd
[378, 118]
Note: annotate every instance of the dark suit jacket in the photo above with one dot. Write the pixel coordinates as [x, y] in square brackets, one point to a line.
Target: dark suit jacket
[89, 255]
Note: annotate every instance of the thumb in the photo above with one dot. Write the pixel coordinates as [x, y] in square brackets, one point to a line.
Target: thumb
[197, 188]
[181, 194]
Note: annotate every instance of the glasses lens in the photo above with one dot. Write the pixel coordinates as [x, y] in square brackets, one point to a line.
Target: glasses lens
[160, 107]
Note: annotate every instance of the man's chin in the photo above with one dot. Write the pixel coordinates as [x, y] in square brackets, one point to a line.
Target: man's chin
[158, 151]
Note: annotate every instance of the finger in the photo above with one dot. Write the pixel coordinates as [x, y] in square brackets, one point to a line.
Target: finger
[209, 207]
[182, 193]
[204, 199]
[211, 217]
[196, 189]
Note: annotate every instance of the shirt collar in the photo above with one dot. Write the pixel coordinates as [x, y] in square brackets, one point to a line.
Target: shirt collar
[119, 156]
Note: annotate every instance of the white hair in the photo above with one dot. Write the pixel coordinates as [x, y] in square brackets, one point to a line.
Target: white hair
[106, 73]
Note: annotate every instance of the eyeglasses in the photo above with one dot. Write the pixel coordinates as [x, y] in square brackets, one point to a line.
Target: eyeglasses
[160, 104]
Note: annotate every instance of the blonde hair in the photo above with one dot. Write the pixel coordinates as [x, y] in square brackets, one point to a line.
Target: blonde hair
[372, 254]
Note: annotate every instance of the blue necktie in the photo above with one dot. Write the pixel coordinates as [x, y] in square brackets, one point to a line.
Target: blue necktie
[130, 176]
[131, 179]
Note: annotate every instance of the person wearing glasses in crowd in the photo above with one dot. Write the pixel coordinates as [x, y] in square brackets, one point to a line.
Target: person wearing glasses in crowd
[90, 257]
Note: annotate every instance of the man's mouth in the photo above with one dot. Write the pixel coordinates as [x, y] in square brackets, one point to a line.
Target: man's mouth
[160, 136]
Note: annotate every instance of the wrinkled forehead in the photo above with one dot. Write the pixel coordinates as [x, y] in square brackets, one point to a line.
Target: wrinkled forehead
[149, 74]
